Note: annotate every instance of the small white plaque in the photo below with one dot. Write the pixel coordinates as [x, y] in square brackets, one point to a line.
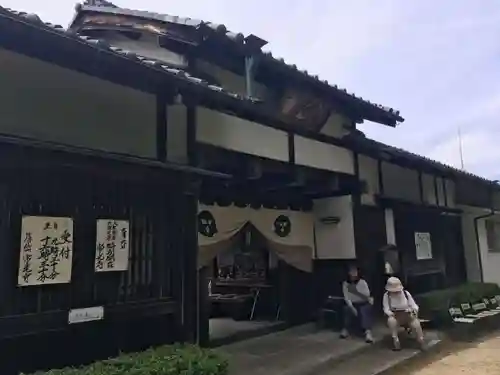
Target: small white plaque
[423, 245]
[87, 314]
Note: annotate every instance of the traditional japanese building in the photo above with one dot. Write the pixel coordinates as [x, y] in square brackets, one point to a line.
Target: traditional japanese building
[291, 155]
[161, 170]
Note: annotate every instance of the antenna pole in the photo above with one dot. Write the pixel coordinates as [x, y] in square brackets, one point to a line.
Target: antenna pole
[460, 148]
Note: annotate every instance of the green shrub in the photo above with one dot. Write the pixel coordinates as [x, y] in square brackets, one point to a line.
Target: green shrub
[166, 360]
[434, 305]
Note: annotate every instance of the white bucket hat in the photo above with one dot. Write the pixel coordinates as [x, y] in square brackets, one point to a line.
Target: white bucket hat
[394, 285]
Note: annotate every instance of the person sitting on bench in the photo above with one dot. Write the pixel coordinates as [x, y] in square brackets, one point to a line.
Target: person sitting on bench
[358, 304]
[401, 311]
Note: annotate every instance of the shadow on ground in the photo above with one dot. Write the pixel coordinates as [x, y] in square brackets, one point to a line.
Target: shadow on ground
[448, 347]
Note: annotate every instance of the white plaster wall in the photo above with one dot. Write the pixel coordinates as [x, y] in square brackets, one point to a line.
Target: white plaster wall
[236, 134]
[450, 193]
[334, 241]
[231, 81]
[490, 260]
[46, 102]
[320, 155]
[401, 183]
[441, 191]
[429, 189]
[146, 46]
[177, 134]
[233, 133]
[368, 172]
[336, 125]
[390, 229]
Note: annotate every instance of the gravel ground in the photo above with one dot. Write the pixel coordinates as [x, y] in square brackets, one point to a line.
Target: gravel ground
[478, 359]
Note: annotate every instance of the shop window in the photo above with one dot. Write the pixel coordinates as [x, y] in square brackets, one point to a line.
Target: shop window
[493, 235]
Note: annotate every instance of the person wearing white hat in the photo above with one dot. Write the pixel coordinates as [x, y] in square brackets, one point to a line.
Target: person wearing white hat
[401, 311]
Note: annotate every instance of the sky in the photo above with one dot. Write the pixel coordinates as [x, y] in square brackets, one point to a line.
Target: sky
[438, 62]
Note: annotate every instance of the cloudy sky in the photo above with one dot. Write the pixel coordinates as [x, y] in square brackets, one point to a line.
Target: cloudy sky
[438, 62]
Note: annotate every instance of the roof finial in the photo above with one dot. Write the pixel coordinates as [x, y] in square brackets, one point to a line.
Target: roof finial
[99, 3]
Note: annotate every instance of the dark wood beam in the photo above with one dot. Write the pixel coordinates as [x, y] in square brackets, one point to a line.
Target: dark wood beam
[291, 148]
[357, 196]
[421, 187]
[330, 193]
[161, 128]
[443, 183]
[254, 169]
[436, 190]
[191, 299]
[192, 149]
[380, 177]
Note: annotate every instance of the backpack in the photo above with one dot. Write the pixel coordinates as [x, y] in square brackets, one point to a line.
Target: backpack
[390, 302]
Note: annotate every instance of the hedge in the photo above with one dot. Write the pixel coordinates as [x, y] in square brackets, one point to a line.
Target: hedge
[434, 305]
[165, 360]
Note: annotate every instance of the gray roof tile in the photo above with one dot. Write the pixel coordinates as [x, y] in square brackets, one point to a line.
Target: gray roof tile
[174, 71]
[101, 44]
[410, 156]
[107, 7]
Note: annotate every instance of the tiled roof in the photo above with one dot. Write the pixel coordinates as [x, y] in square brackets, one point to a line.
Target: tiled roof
[404, 154]
[180, 74]
[107, 7]
[175, 72]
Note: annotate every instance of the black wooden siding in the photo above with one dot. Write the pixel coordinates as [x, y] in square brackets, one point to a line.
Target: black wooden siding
[142, 305]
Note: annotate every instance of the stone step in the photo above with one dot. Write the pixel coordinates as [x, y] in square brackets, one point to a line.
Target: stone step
[300, 351]
[377, 360]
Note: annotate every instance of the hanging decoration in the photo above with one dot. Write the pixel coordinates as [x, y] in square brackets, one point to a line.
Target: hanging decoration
[217, 228]
[289, 234]
[282, 226]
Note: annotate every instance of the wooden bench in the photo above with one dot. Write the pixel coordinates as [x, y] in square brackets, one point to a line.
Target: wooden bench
[330, 314]
[470, 313]
[238, 306]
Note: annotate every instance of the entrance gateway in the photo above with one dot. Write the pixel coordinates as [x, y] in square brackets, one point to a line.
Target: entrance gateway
[244, 253]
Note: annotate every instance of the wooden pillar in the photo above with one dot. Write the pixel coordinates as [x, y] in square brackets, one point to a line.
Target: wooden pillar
[189, 261]
[357, 196]
[444, 184]
[192, 149]
[291, 148]
[436, 190]
[421, 187]
[380, 178]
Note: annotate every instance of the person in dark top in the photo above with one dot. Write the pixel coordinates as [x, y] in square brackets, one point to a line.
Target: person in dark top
[358, 303]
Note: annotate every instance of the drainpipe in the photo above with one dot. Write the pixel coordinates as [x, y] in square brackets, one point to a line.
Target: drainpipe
[476, 232]
[249, 75]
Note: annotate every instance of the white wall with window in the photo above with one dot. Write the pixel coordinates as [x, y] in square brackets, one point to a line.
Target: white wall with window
[483, 248]
[492, 228]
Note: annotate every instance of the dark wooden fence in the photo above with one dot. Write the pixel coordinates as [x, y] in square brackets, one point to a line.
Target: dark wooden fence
[447, 266]
[141, 304]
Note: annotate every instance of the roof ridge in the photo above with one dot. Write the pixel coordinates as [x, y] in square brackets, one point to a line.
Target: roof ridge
[436, 163]
[169, 68]
[100, 3]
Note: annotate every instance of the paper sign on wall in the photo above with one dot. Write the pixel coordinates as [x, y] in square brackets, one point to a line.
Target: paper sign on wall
[46, 251]
[112, 245]
[423, 245]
